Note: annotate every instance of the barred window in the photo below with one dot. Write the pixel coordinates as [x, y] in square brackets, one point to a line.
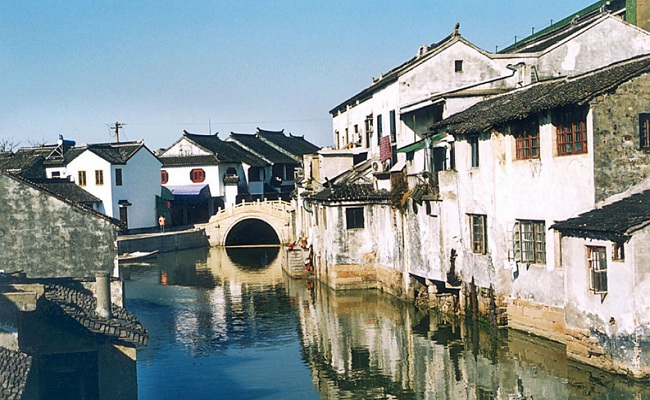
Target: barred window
[530, 241]
[597, 259]
[99, 177]
[197, 175]
[478, 232]
[164, 177]
[82, 178]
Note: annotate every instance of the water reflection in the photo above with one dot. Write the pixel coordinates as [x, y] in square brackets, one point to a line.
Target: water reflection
[225, 327]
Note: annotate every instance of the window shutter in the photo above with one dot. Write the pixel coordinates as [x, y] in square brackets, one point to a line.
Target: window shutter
[516, 240]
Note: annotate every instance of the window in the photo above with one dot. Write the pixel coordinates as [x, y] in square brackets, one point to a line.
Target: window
[379, 128]
[478, 233]
[164, 177]
[82, 178]
[644, 130]
[254, 174]
[354, 218]
[197, 175]
[56, 174]
[118, 176]
[458, 66]
[618, 251]
[597, 258]
[526, 135]
[99, 177]
[530, 241]
[571, 132]
[473, 143]
[393, 126]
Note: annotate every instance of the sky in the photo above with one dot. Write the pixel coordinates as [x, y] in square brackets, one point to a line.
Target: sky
[74, 68]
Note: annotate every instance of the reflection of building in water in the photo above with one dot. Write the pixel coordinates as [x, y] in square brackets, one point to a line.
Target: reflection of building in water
[361, 345]
[221, 298]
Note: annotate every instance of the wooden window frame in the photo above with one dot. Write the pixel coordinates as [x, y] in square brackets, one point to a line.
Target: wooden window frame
[530, 241]
[99, 177]
[393, 126]
[526, 133]
[478, 233]
[81, 175]
[571, 131]
[354, 218]
[197, 175]
[164, 177]
[597, 264]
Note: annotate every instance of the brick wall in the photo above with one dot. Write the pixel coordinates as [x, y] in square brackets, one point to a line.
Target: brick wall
[619, 163]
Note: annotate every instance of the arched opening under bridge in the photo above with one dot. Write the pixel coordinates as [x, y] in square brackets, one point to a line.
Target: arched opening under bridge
[252, 232]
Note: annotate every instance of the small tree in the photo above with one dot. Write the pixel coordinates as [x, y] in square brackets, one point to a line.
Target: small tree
[8, 144]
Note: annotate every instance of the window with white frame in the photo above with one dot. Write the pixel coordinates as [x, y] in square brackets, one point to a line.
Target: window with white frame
[530, 241]
[597, 263]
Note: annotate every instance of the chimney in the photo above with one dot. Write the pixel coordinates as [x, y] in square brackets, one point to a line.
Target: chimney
[103, 294]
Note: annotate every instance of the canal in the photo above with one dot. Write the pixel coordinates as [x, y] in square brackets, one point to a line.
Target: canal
[229, 324]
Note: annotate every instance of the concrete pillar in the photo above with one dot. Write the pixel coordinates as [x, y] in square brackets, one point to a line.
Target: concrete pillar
[103, 293]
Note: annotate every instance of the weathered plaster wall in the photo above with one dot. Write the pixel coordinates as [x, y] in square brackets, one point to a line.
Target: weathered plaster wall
[619, 163]
[593, 49]
[47, 237]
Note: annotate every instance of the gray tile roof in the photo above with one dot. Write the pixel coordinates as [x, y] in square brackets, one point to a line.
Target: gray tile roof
[351, 192]
[253, 142]
[616, 221]
[226, 152]
[68, 190]
[122, 327]
[543, 96]
[294, 145]
[188, 161]
[14, 369]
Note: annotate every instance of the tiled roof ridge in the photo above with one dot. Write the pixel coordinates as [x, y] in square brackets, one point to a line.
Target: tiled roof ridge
[351, 192]
[123, 326]
[592, 85]
[50, 192]
[14, 369]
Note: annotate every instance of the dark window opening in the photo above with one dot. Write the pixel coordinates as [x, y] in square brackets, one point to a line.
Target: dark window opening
[164, 177]
[255, 174]
[473, 142]
[354, 218]
[618, 251]
[118, 176]
[99, 177]
[393, 126]
[379, 127]
[458, 66]
[644, 130]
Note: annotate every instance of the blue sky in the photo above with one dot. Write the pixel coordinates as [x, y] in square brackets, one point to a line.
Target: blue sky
[159, 67]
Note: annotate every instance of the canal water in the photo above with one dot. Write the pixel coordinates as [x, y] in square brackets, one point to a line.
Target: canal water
[229, 324]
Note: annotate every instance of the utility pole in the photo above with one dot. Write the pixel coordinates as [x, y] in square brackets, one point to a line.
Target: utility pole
[116, 128]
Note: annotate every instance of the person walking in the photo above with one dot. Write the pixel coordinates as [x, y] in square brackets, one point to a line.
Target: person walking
[161, 221]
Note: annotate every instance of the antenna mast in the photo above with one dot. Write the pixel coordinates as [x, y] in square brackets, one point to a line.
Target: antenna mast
[116, 128]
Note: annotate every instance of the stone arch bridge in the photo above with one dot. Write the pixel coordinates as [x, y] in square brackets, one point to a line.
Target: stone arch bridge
[254, 216]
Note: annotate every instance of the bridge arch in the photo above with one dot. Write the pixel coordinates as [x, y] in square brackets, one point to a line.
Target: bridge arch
[276, 214]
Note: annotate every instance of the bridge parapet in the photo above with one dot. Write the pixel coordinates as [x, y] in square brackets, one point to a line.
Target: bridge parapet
[276, 213]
